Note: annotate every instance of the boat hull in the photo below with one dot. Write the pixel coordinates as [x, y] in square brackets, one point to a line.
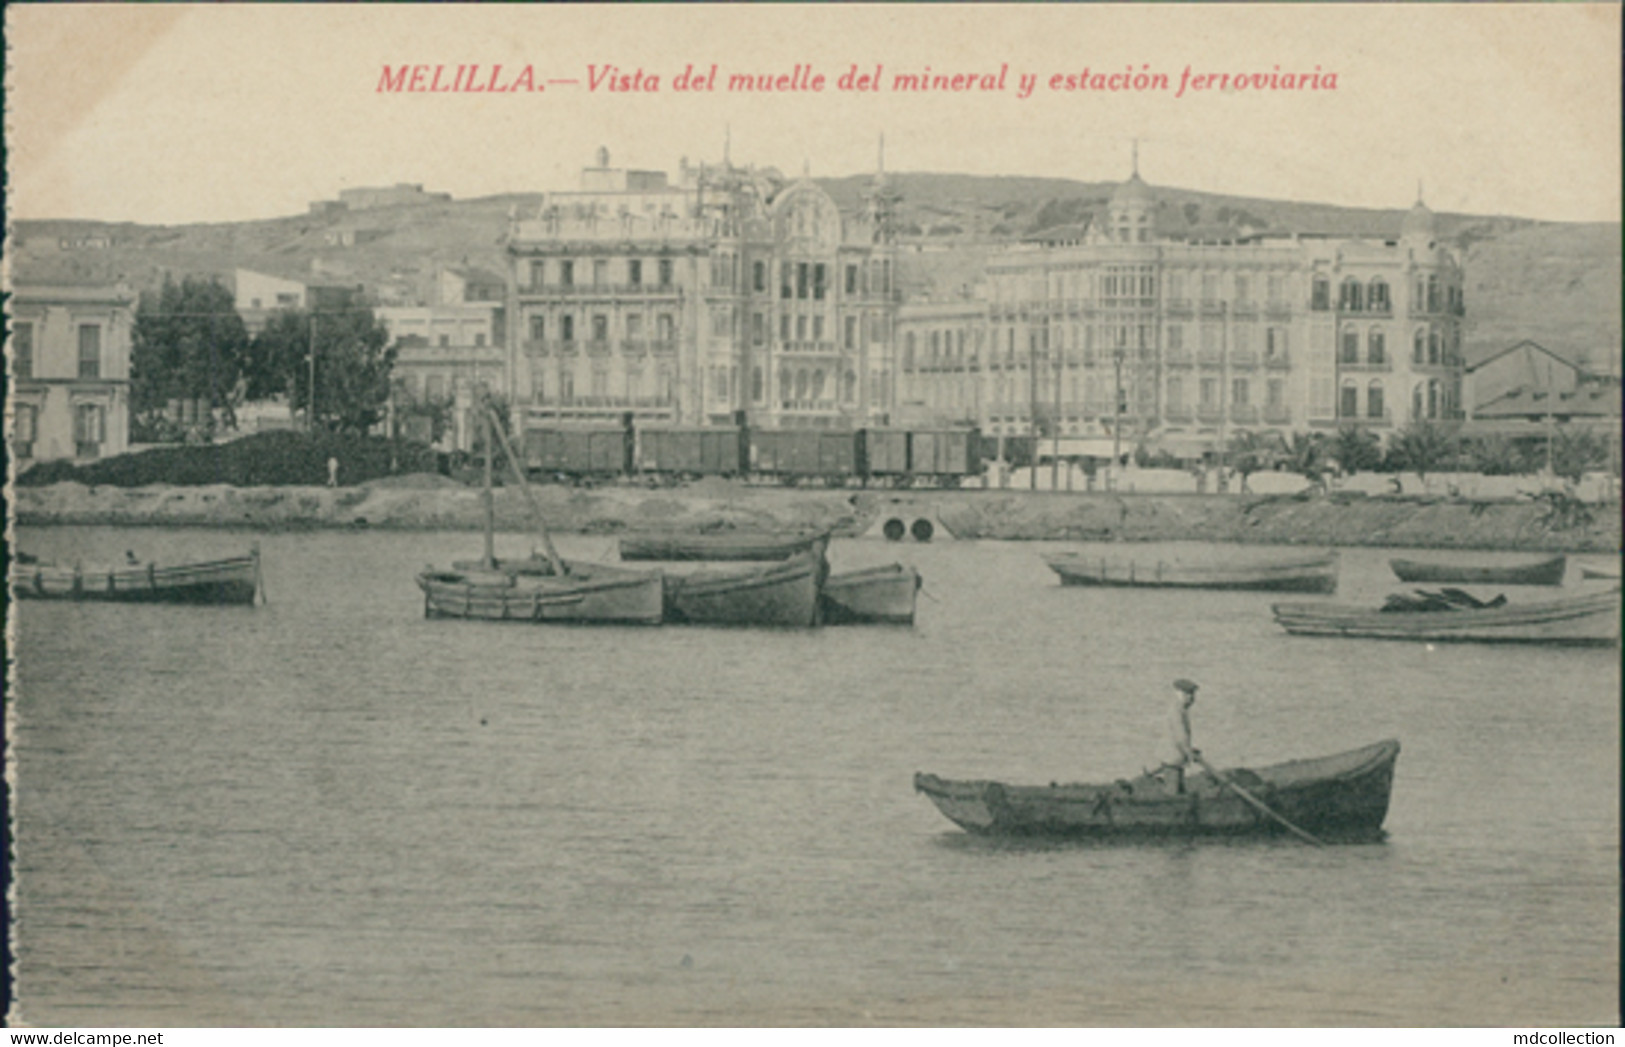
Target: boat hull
[589, 594]
[1299, 575]
[1585, 620]
[1340, 797]
[716, 547]
[230, 581]
[1545, 572]
[781, 595]
[875, 595]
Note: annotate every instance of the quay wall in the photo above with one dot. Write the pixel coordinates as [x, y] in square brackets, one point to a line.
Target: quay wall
[427, 501]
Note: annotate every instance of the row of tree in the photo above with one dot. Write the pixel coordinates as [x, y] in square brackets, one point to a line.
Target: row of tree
[1421, 448]
[190, 345]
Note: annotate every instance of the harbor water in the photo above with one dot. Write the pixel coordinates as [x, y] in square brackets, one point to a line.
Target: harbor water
[328, 810]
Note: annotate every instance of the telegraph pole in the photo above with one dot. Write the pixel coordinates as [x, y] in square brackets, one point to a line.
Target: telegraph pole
[310, 401]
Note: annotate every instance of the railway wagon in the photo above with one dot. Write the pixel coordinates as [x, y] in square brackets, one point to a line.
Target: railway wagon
[579, 450]
[693, 450]
[801, 454]
[905, 455]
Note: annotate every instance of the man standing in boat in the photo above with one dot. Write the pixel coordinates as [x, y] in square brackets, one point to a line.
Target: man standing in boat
[1179, 730]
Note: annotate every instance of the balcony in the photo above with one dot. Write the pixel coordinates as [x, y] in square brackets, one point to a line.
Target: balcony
[1245, 309]
[1178, 414]
[1213, 307]
[1373, 366]
[1277, 361]
[1211, 414]
[598, 347]
[1210, 357]
[663, 346]
[1179, 307]
[1243, 358]
[1277, 414]
[599, 403]
[1277, 308]
[1177, 358]
[596, 290]
[1244, 414]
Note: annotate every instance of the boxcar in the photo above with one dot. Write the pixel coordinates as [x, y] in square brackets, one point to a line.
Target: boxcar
[797, 454]
[595, 450]
[884, 453]
[692, 450]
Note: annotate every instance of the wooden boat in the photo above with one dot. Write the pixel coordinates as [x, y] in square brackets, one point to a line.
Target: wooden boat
[1548, 571]
[731, 545]
[882, 595]
[1592, 618]
[1338, 797]
[1297, 574]
[234, 580]
[779, 594]
[587, 592]
[543, 587]
[1593, 573]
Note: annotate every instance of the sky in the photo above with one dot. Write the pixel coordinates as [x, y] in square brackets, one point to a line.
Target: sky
[169, 114]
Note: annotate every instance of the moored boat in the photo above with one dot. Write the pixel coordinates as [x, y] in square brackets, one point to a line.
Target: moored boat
[781, 594]
[233, 580]
[1548, 571]
[880, 595]
[1604, 573]
[1338, 797]
[1592, 618]
[729, 545]
[1298, 574]
[587, 593]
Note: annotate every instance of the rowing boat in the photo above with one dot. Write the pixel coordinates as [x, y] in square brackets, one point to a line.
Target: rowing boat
[1339, 797]
[879, 595]
[777, 594]
[590, 593]
[1298, 574]
[1591, 618]
[234, 580]
[1547, 571]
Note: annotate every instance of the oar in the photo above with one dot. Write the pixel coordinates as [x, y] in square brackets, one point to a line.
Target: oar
[1256, 802]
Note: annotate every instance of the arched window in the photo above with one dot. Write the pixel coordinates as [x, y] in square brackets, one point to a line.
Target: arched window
[1348, 403]
[1376, 347]
[1433, 347]
[1377, 295]
[1420, 347]
[1320, 294]
[1350, 346]
[1350, 296]
[1373, 399]
[1417, 395]
[1433, 398]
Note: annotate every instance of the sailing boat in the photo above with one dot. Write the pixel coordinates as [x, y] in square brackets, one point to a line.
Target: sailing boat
[543, 588]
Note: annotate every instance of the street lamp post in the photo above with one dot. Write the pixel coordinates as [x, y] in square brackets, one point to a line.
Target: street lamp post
[1117, 415]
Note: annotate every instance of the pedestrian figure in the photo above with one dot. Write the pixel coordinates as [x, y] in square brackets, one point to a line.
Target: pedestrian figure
[1179, 732]
[332, 472]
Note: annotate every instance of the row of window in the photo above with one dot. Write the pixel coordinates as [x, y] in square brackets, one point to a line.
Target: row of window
[1118, 283]
[22, 350]
[597, 272]
[566, 329]
[1428, 347]
[797, 279]
[89, 429]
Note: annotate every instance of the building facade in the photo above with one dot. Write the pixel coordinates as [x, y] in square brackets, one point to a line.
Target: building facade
[1117, 329]
[70, 371]
[729, 292]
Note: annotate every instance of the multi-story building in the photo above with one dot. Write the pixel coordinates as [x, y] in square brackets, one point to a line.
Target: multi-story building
[731, 291]
[448, 352]
[1117, 327]
[70, 371]
[257, 295]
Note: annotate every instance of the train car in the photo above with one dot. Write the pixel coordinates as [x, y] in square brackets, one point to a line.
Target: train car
[579, 450]
[679, 451]
[884, 454]
[907, 456]
[797, 455]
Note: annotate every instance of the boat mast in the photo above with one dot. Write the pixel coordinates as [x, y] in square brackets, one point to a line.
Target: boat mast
[551, 553]
[489, 562]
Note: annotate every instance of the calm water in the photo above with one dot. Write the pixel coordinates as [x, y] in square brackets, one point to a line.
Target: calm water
[328, 810]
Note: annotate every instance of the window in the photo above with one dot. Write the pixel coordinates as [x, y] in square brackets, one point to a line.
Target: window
[567, 273]
[537, 269]
[801, 328]
[634, 326]
[1320, 295]
[818, 329]
[1376, 347]
[1176, 394]
[1379, 296]
[1275, 393]
[817, 389]
[90, 351]
[479, 340]
[784, 327]
[445, 341]
[567, 328]
[665, 272]
[567, 386]
[908, 351]
[1243, 290]
[818, 281]
[600, 272]
[600, 327]
[667, 327]
[537, 386]
[22, 352]
[785, 278]
[1433, 293]
[24, 427]
[1351, 296]
[801, 279]
[634, 271]
[538, 328]
[1176, 337]
[759, 277]
[1351, 347]
[1348, 404]
[1433, 348]
[851, 279]
[434, 388]
[1373, 400]
[600, 382]
[1239, 392]
[850, 336]
[1419, 347]
[758, 329]
[757, 386]
[1275, 343]
[89, 429]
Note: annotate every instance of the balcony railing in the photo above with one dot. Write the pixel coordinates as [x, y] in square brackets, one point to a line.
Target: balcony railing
[1246, 414]
[1277, 414]
[1178, 414]
[589, 290]
[1278, 361]
[549, 403]
[1365, 365]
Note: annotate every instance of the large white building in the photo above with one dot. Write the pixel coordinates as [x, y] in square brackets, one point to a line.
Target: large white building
[1119, 328]
[69, 371]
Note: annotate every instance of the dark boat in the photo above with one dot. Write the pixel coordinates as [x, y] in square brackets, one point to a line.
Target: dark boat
[1297, 574]
[234, 580]
[730, 545]
[1549, 571]
[874, 595]
[1338, 797]
[1589, 619]
[778, 594]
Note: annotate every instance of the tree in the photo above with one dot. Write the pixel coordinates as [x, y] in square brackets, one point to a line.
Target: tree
[1575, 451]
[1251, 452]
[352, 364]
[1305, 455]
[1423, 447]
[1356, 448]
[188, 344]
[1497, 456]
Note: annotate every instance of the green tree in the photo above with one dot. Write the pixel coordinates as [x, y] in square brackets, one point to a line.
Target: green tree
[352, 364]
[1356, 448]
[188, 343]
[1423, 447]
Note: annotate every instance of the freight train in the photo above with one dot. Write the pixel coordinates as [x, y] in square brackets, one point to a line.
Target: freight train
[881, 456]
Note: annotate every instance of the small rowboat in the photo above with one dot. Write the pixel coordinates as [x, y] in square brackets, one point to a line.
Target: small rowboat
[1299, 574]
[598, 594]
[1338, 797]
[1589, 619]
[879, 595]
[235, 580]
[732, 545]
[779, 594]
[1607, 573]
[1540, 572]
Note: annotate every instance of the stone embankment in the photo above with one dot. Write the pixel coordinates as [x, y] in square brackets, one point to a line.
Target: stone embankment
[436, 503]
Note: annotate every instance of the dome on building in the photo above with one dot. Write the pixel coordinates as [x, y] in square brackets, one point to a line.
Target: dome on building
[1133, 194]
[1418, 222]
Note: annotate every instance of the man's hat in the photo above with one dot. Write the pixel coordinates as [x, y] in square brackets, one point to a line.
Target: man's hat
[1185, 685]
